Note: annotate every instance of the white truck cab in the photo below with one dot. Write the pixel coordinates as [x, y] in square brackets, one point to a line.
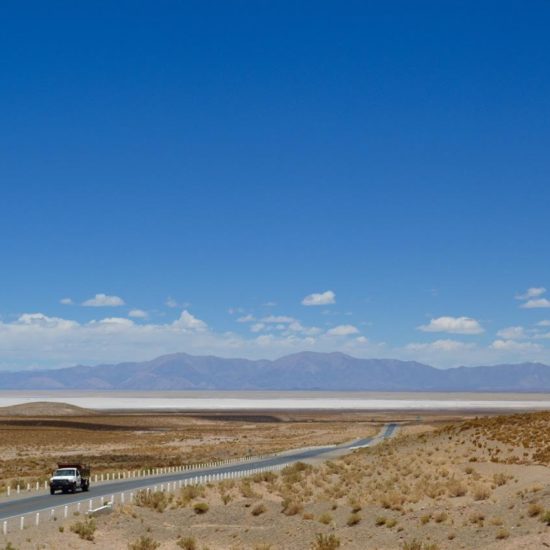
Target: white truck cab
[69, 478]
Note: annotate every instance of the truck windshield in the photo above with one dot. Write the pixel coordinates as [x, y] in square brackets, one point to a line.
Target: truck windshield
[65, 472]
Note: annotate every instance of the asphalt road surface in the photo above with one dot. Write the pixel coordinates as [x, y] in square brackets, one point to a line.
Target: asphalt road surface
[38, 503]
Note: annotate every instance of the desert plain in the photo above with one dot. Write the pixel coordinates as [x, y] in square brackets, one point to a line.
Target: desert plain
[445, 481]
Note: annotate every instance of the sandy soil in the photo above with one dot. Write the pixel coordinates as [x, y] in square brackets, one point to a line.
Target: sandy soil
[442, 483]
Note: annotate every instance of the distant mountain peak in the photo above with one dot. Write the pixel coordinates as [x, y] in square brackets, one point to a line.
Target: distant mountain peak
[307, 370]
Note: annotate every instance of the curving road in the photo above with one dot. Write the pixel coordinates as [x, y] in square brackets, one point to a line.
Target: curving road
[39, 503]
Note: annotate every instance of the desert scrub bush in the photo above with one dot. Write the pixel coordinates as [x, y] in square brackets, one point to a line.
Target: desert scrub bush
[291, 507]
[325, 542]
[417, 545]
[353, 519]
[246, 489]
[144, 543]
[545, 518]
[325, 518]
[502, 534]
[189, 493]
[85, 529]
[267, 477]
[481, 492]
[187, 543]
[156, 500]
[201, 508]
[391, 522]
[380, 520]
[500, 479]
[456, 488]
[478, 518]
[534, 509]
[258, 510]
[294, 473]
[440, 517]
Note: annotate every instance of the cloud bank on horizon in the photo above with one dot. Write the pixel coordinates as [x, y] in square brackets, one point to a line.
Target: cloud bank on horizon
[39, 340]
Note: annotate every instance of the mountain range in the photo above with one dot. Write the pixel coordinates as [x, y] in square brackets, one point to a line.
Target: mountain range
[301, 371]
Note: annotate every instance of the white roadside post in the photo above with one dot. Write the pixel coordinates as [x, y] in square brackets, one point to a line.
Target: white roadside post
[22, 523]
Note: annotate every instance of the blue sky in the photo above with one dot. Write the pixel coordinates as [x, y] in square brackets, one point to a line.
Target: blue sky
[211, 162]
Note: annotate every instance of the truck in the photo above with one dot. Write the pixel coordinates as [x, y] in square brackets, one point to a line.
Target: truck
[70, 477]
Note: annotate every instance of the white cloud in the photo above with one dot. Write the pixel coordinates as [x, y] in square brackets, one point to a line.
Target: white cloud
[43, 321]
[320, 299]
[187, 321]
[512, 345]
[103, 300]
[170, 302]
[362, 340]
[270, 304]
[544, 323]
[440, 345]
[453, 325]
[536, 303]
[533, 292]
[138, 314]
[511, 333]
[246, 319]
[66, 301]
[278, 319]
[257, 327]
[342, 330]
[115, 322]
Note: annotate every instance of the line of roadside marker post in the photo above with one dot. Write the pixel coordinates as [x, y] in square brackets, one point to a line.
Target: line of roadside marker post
[125, 497]
[164, 487]
[135, 474]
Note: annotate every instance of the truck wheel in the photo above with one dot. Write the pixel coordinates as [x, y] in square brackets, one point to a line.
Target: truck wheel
[52, 491]
[85, 487]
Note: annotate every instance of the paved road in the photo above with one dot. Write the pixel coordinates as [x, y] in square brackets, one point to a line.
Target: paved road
[29, 505]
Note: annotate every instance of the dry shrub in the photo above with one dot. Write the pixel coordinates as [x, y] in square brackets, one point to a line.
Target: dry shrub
[267, 477]
[291, 507]
[353, 519]
[456, 488]
[502, 534]
[325, 542]
[201, 508]
[85, 529]
[143, 543]
[188, 543]
[325, 518]
[500, 479]
[157, 500]
[481, 492]
[545, 518]
[258, 510]
[246, 489]
[189, 493]
[534, 509]
[417, 545]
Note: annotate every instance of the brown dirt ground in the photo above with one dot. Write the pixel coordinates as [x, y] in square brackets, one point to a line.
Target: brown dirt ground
[442, 482]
